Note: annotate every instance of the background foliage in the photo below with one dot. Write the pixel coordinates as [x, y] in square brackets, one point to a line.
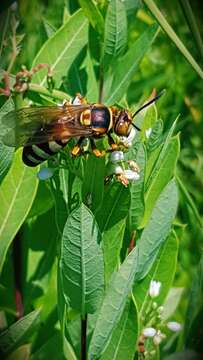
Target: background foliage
[54, 268]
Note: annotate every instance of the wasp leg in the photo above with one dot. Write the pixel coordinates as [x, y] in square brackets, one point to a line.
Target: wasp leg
[76, 150]
[112, 143]
[96, 152]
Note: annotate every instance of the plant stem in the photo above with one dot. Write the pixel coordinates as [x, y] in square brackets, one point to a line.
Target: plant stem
[83, 338]
[17, 265]
[56, 94]
[172, 35]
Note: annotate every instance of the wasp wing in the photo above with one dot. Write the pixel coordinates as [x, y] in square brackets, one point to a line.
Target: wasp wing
[36, 125]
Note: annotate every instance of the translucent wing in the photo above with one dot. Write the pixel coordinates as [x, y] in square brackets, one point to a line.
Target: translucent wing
[36, 125]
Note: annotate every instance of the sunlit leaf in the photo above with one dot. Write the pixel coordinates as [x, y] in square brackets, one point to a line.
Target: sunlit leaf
[163, 270]
[162, 173]
[113, 305]
[137, 190]
[17, 193]
[124, 337]
[115, 35]
[157, 228]
[81, 263]
[61, 49]
[19, 332]
[128, 64]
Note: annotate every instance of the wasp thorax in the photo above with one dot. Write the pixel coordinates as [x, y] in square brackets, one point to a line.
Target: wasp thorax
[123, 123]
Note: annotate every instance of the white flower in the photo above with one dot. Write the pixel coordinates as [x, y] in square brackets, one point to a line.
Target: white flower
[149, 332]
[116, 156]
[157, 339]
[45, 173]
[118, 170]
[127, 140]
[154, 288]
[174, 326]
[148, 132]
[131, 175]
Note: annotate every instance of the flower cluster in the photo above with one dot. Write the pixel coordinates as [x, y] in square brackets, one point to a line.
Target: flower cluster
[117, 167]
[153, 324]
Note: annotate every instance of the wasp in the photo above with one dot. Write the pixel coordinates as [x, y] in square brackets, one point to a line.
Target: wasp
[44, 131]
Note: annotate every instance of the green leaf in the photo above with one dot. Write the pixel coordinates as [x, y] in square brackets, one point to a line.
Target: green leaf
[162, 173]
[115, 206]
[111, 244]
[93, 14]
[124, 337]
[60, 191]
[115, 35]
[61, 49]
[6, 153]
[113, 305]
[51, 348]
[157, 228]
[127, 66]
[93, 183]
[42, 202]
[155, 138]
[137, 191]
[188, 199]
[195, 301]
[17, 193]
[23, 352]
[92, 85]
[163, 270]
[171, 302]
[81, 263]
[19, 332]
[150, 118]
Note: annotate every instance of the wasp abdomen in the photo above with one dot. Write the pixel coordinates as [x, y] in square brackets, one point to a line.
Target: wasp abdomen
[35, 154]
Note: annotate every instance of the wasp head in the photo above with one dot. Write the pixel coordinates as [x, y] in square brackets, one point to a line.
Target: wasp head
[123, 123]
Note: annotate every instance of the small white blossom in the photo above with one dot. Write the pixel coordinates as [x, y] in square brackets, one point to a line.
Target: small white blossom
[116, 156]
[127, 140]
[118, 170]
[131, 175]
[157, 339]
[174, 326]
[149, 332]
[154, 288]
[45, 173]
[148, 132]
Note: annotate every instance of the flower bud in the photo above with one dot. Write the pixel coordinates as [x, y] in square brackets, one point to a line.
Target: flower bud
[149, 332]
[174, 326]
[116, 156]
[45, 173]
[157, 339]
[154, 288]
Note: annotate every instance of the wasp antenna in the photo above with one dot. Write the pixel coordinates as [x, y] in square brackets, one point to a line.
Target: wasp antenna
[149, 102]
[136, 127]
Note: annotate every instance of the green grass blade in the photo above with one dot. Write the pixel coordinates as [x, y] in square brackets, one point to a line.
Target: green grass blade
[190, 18]
[172, 35]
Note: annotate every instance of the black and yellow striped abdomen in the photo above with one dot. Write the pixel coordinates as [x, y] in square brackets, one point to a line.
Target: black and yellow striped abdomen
[35, 154]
